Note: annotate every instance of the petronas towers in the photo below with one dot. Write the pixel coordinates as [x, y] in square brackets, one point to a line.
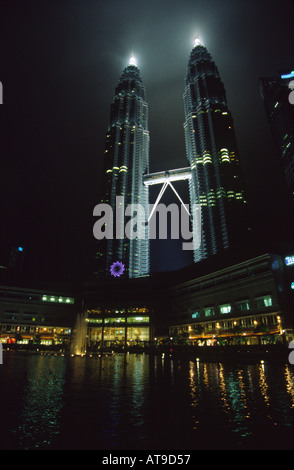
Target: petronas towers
[215, 181]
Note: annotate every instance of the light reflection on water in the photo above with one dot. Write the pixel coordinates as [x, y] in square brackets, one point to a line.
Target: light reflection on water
[141, 402]
[43, 403]
[31, 400]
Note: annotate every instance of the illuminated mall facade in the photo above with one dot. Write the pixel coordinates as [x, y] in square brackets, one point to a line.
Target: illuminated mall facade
[241, 300]
[118, 312]
[118, 327]
[248, 301]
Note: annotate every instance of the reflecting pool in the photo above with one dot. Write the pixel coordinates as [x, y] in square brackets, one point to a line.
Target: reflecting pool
[137, 401]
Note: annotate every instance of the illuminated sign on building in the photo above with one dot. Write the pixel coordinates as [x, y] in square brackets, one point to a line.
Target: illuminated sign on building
[289, 260]
[54, 298]
[288, 75]
[195, 315]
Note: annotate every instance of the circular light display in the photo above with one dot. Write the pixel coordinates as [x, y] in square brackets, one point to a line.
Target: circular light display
[117, 269]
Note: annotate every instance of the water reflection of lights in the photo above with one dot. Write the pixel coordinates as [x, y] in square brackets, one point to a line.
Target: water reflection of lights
[43, 402]
[234, 399]
[195, 384]
[263, 384]
[289, 377]
[223, 390]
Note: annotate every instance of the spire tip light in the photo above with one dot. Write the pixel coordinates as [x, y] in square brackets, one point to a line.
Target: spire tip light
[198, 42]
[133, 61]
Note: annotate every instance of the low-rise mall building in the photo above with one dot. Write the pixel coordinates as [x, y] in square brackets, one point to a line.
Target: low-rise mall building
[248, 302]
[225, 302]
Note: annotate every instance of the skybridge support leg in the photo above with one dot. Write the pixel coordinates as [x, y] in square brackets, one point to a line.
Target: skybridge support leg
[164, 186]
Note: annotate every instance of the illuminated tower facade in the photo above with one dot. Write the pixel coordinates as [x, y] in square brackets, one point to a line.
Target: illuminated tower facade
[211, 149]
[126, 159]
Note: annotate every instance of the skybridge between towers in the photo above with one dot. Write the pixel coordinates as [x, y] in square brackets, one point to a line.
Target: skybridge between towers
[166, 178]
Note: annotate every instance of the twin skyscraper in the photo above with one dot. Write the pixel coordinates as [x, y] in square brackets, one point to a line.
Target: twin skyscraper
[214, 174]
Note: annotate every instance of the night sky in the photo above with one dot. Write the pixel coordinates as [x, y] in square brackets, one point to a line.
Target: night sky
[60, 61]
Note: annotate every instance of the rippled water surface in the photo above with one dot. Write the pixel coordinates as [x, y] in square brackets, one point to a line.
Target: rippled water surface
[143, 402]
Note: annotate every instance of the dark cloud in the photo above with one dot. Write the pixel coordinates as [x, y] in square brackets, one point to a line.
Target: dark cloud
[60, 62]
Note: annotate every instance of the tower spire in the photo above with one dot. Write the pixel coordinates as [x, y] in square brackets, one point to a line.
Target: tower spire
[133, 60]
[197, 41]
